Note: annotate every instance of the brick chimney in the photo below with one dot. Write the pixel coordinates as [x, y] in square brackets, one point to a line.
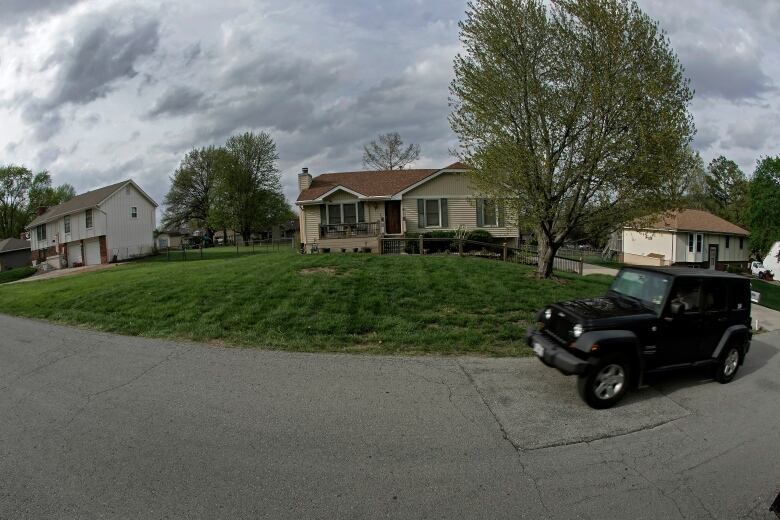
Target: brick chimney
[41, 210]
[304, 180]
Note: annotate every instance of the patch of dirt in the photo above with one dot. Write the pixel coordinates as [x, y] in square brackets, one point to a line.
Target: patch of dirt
[318, 270]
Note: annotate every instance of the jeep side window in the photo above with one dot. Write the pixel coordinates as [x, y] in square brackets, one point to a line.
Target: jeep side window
[687, 291]
[739, 295]
[714, 296]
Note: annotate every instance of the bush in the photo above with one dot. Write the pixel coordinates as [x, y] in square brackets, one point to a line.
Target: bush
[17, 274]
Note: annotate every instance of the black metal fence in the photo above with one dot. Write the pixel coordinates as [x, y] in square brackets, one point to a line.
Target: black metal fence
[187, 252]
[568, 260]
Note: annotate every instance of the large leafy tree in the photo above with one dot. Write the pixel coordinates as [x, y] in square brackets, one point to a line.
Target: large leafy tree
[15, 182]
[43, 193]
[727, 188]
[248, 182]
[763, 209]
[572, 114]
[388, 152]
[191, 195]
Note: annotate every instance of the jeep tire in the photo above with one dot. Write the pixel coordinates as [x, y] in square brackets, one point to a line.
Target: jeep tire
[605, 383]
[728, 364]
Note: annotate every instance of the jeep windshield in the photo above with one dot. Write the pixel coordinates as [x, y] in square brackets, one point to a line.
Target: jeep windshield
[645, 288]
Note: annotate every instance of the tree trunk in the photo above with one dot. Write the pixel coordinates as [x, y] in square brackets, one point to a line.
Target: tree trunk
[246, 235]
[547, 251]
[224, 237]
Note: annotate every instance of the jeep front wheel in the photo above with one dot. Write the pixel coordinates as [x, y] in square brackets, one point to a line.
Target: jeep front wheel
[727, 365]
[605, 384]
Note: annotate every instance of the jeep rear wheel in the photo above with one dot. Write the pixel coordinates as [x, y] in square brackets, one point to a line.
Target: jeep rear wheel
[606, 383]
[728, 365]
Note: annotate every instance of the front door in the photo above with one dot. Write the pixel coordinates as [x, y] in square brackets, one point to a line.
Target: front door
[393, 217]
[713, 255]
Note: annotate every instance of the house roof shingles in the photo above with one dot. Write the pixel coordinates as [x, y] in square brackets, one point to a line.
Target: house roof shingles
[84, 201]
[13, 244]
[382, 183]
[696, 220]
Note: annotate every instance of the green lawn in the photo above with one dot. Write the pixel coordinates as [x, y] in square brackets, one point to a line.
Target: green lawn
[16, 274]
[327, 302]
[770, 294]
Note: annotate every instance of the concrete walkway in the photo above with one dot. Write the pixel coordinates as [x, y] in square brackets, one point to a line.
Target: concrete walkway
[597, 269]
[58, 273]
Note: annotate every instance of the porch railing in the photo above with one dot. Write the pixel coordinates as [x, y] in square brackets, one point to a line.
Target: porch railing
[358, 229]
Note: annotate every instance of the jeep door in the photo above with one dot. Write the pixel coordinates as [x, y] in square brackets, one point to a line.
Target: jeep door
[679, 338]
[715, 319]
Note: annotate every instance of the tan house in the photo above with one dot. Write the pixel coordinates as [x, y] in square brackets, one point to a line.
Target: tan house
[687, 238]
[355, 209]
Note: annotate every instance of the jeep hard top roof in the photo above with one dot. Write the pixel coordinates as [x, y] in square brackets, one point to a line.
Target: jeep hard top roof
[688, 271]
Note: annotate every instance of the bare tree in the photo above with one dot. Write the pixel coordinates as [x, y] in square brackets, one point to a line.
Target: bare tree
[387, 152]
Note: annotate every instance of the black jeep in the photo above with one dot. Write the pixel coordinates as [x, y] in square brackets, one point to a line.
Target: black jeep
[650, 320]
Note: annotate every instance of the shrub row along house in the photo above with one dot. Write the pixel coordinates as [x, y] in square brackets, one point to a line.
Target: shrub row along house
[690, 237]
[108, 224]
[355, 209]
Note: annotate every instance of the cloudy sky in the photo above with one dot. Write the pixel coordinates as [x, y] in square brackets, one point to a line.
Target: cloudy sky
[97, 91]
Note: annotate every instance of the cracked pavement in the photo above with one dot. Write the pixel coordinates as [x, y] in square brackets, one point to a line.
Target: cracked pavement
[95, 425]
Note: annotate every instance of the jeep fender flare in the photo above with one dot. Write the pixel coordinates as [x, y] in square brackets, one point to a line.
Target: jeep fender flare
[611, 339]
[738, 332]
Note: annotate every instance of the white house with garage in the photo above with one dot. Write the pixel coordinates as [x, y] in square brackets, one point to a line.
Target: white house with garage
[105, 225]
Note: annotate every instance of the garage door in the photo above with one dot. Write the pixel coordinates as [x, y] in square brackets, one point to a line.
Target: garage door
[74, 253]
[92, 252]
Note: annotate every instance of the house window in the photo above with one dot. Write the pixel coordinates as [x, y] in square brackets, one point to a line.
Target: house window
[67, 224]
[433, 213]
[741, 242]
[347, 213]
[690, 242]
[699, 241]
[727, 242]
[488, 213]
[40, 232]
[88, 215]
[133, 212]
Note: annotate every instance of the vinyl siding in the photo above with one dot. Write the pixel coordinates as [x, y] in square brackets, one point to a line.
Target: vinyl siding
[126, 236]
[731, 254]
[55, 230]
[643, 243]
[461, 206]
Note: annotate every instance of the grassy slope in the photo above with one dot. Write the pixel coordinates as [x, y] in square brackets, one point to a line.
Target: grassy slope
[371, 303]
[770, 294]
[16, 274]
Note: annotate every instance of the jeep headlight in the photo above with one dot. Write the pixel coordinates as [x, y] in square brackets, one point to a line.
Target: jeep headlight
[577, 330]
[547, 314]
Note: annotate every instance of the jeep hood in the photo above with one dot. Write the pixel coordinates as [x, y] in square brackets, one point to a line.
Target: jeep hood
[600, 308]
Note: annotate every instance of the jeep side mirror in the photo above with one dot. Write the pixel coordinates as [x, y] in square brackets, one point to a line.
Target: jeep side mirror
[676, 308]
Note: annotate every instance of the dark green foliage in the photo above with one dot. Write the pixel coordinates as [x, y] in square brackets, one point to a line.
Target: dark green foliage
[763, 212]
[727, 190]
[361, 303]
[16, 274]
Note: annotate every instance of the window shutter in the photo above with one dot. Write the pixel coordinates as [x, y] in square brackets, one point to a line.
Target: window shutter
[445, 221]
[480, 203]
[323, 215]
[501, 215]
[361, 212]
[420, 213]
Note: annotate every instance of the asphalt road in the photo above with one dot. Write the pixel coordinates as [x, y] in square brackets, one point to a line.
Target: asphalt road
[100, 426]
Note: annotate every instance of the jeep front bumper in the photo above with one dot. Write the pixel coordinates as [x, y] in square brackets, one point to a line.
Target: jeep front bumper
[554, 355]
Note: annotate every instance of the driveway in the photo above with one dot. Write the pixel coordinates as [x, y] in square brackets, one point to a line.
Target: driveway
[102, 426]
[59, 273]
